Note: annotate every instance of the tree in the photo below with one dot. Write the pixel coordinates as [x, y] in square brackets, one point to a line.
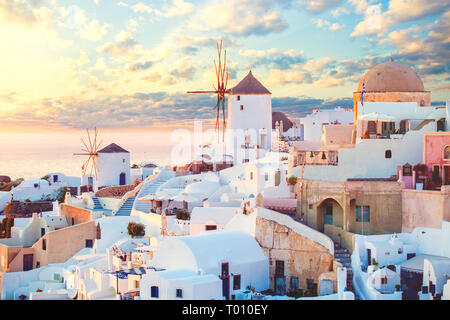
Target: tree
[60, 194]
[136, 229]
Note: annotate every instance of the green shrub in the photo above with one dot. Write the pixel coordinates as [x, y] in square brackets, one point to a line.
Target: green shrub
[136, 229]
[292, 181]
[297, 293]
[183, 215]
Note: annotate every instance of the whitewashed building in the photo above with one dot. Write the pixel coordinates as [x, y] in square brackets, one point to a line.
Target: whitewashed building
[313, 123]
[233, 257]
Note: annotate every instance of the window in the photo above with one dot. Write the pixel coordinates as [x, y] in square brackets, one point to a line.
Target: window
[136, 284]
[309, 283]
[210, 227]
[237, 282]
[251, 175]
[179, 293]
[88, 243]
[154, 292]
[44, 244]
[73, 221]
[238, 98]
[242, 107]
[266, 176]
[384, 280]
[56, 277]
[388, 154]
[294, 283]
[279, 267]
[123, 160]
[362, 213]
[447, 153]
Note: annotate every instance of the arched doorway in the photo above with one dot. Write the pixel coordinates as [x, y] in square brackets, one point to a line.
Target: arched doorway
[330, 212]
[123, 179]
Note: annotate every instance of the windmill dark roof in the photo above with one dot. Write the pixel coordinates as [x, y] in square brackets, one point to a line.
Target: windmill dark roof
[249, 85]
[113, 148]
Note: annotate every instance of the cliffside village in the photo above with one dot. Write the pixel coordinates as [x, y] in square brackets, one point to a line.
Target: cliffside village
[343, 204]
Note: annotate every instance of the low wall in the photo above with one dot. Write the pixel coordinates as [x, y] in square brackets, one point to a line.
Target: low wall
[340, 236]
[79, 215]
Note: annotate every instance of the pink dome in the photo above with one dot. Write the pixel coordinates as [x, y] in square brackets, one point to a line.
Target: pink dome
[391, 77]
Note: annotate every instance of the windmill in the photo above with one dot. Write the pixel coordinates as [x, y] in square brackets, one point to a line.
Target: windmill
[92, 152]
[221, 89]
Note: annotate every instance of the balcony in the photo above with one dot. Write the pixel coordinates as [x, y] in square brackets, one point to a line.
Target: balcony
[317, 158]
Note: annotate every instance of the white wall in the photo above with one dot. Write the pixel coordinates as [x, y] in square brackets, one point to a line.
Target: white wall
[367, 159]
[312, 123]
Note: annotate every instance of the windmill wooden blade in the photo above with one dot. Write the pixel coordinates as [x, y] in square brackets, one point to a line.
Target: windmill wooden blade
[89, 137]
[221, 89]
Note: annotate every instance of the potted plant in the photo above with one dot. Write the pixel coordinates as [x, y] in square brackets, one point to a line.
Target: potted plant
[398, 287]
[396, 134]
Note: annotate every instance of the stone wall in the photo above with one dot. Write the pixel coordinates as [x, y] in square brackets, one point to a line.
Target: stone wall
[22, 209]
[115, 191]
[79, 215]
[303, 258]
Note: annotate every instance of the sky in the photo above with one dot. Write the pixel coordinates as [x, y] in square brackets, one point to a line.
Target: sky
[68, 65]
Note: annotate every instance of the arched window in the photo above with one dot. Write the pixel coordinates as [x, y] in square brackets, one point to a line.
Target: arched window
[447, 153]
[388, 154]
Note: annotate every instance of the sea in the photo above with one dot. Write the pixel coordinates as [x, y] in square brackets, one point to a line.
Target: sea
[31, 155]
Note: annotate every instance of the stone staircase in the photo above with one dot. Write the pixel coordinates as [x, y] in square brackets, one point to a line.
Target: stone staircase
[342, 255]
[97, 204]
[125, 209]
[149, 187]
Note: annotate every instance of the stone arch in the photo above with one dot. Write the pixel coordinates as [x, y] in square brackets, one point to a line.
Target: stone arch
[330, 211]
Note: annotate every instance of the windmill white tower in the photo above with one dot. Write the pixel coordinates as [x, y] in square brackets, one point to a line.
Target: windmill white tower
[249, 110]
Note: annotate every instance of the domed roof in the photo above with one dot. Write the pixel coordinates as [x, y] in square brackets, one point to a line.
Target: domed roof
[391, 76]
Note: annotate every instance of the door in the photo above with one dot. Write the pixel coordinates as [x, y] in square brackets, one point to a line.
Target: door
[327, 213]
[446, 175]
[122, 179]
[226, 287]
[27, 262]
[225, 280]
[326, 287]
[280, 285]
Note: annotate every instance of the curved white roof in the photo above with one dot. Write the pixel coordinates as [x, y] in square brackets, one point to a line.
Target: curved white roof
[203, 187]
[208, 250]
[220, 215]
